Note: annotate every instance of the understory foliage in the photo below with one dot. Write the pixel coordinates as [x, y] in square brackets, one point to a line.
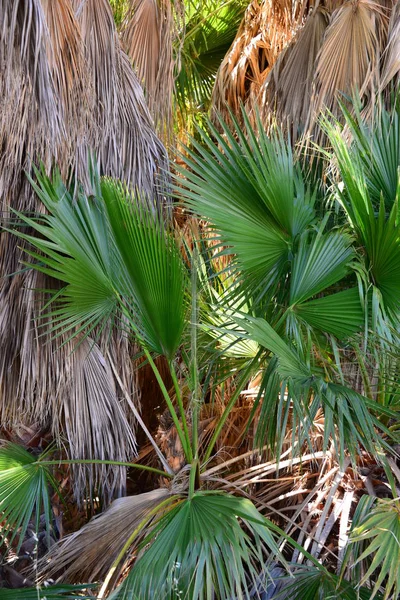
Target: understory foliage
[278, 303]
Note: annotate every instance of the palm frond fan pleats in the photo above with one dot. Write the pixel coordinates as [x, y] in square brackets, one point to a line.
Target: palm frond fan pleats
[291, 63]
[69, 93]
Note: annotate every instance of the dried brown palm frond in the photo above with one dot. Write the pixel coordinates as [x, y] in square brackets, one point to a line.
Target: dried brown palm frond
[310, 497]
[242, 66]
[286, 93]
[350, 55]
[265, 31]
[67, 89]
[89, 553]
[391, 57]
[148, 35]
[93, 418]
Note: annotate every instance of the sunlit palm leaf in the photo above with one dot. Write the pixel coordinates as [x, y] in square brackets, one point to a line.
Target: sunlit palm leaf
[254, 194]
[350, 419]
[199, 550]
[24, 491]
[378, 233]
[210, 30]
[156, 278]
[377, 146]
[289, 363]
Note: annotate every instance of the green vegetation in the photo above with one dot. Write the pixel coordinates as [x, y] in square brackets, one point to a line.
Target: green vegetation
[250, 292]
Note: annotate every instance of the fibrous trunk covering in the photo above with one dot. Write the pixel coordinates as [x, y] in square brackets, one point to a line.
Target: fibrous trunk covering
[68, 92]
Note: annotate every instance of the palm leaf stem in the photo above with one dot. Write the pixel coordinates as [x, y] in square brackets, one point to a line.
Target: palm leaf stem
[186, 447]
[227, 411]
[98, 461]
[195, 401]
[194, 478]
[184, 439]
[181, 408]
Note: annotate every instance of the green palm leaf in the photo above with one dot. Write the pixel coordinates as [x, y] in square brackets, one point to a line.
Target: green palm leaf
[112, 252]
[381, 530]
[253, 193]
[210, 29]
[311, 583]
[340, 314]
[289, 364]
[211, 545]
[153, 281]
[377, 144]
[53, 592]
[24, 491]
[377, 229]
[319, 263]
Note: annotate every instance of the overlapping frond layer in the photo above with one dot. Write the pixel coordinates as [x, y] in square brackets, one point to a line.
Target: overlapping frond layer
[286, 92]
[241, 65]
[148, 37]
[348, 61]
[391, 56]
[265, 31]
[293, 62]
[127, 146]
[67, 90]
[94, 419]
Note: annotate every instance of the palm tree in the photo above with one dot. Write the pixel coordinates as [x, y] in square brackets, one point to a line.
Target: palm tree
[307, 295]
[68, 90]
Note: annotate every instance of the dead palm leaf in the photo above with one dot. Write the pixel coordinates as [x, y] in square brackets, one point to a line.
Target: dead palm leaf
[127, 147]
[286, 93]
[391, 56]
[94, 421]
[265, 31]
[90, 552]
[148, 37]
[349, 58]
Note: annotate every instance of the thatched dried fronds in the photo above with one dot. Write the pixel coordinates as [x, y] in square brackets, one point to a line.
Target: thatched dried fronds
[243, 65]
[126, 144]
[265, 31]
[313, 56]
[148, 35]
[391, 56]
[90, 552]
[67, 89]
[349, 57]
[286, 93]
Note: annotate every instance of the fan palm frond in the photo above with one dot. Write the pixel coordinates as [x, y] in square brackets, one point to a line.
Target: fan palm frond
[380, 529]
[24, 491]
[199, 548]
[112, 253]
